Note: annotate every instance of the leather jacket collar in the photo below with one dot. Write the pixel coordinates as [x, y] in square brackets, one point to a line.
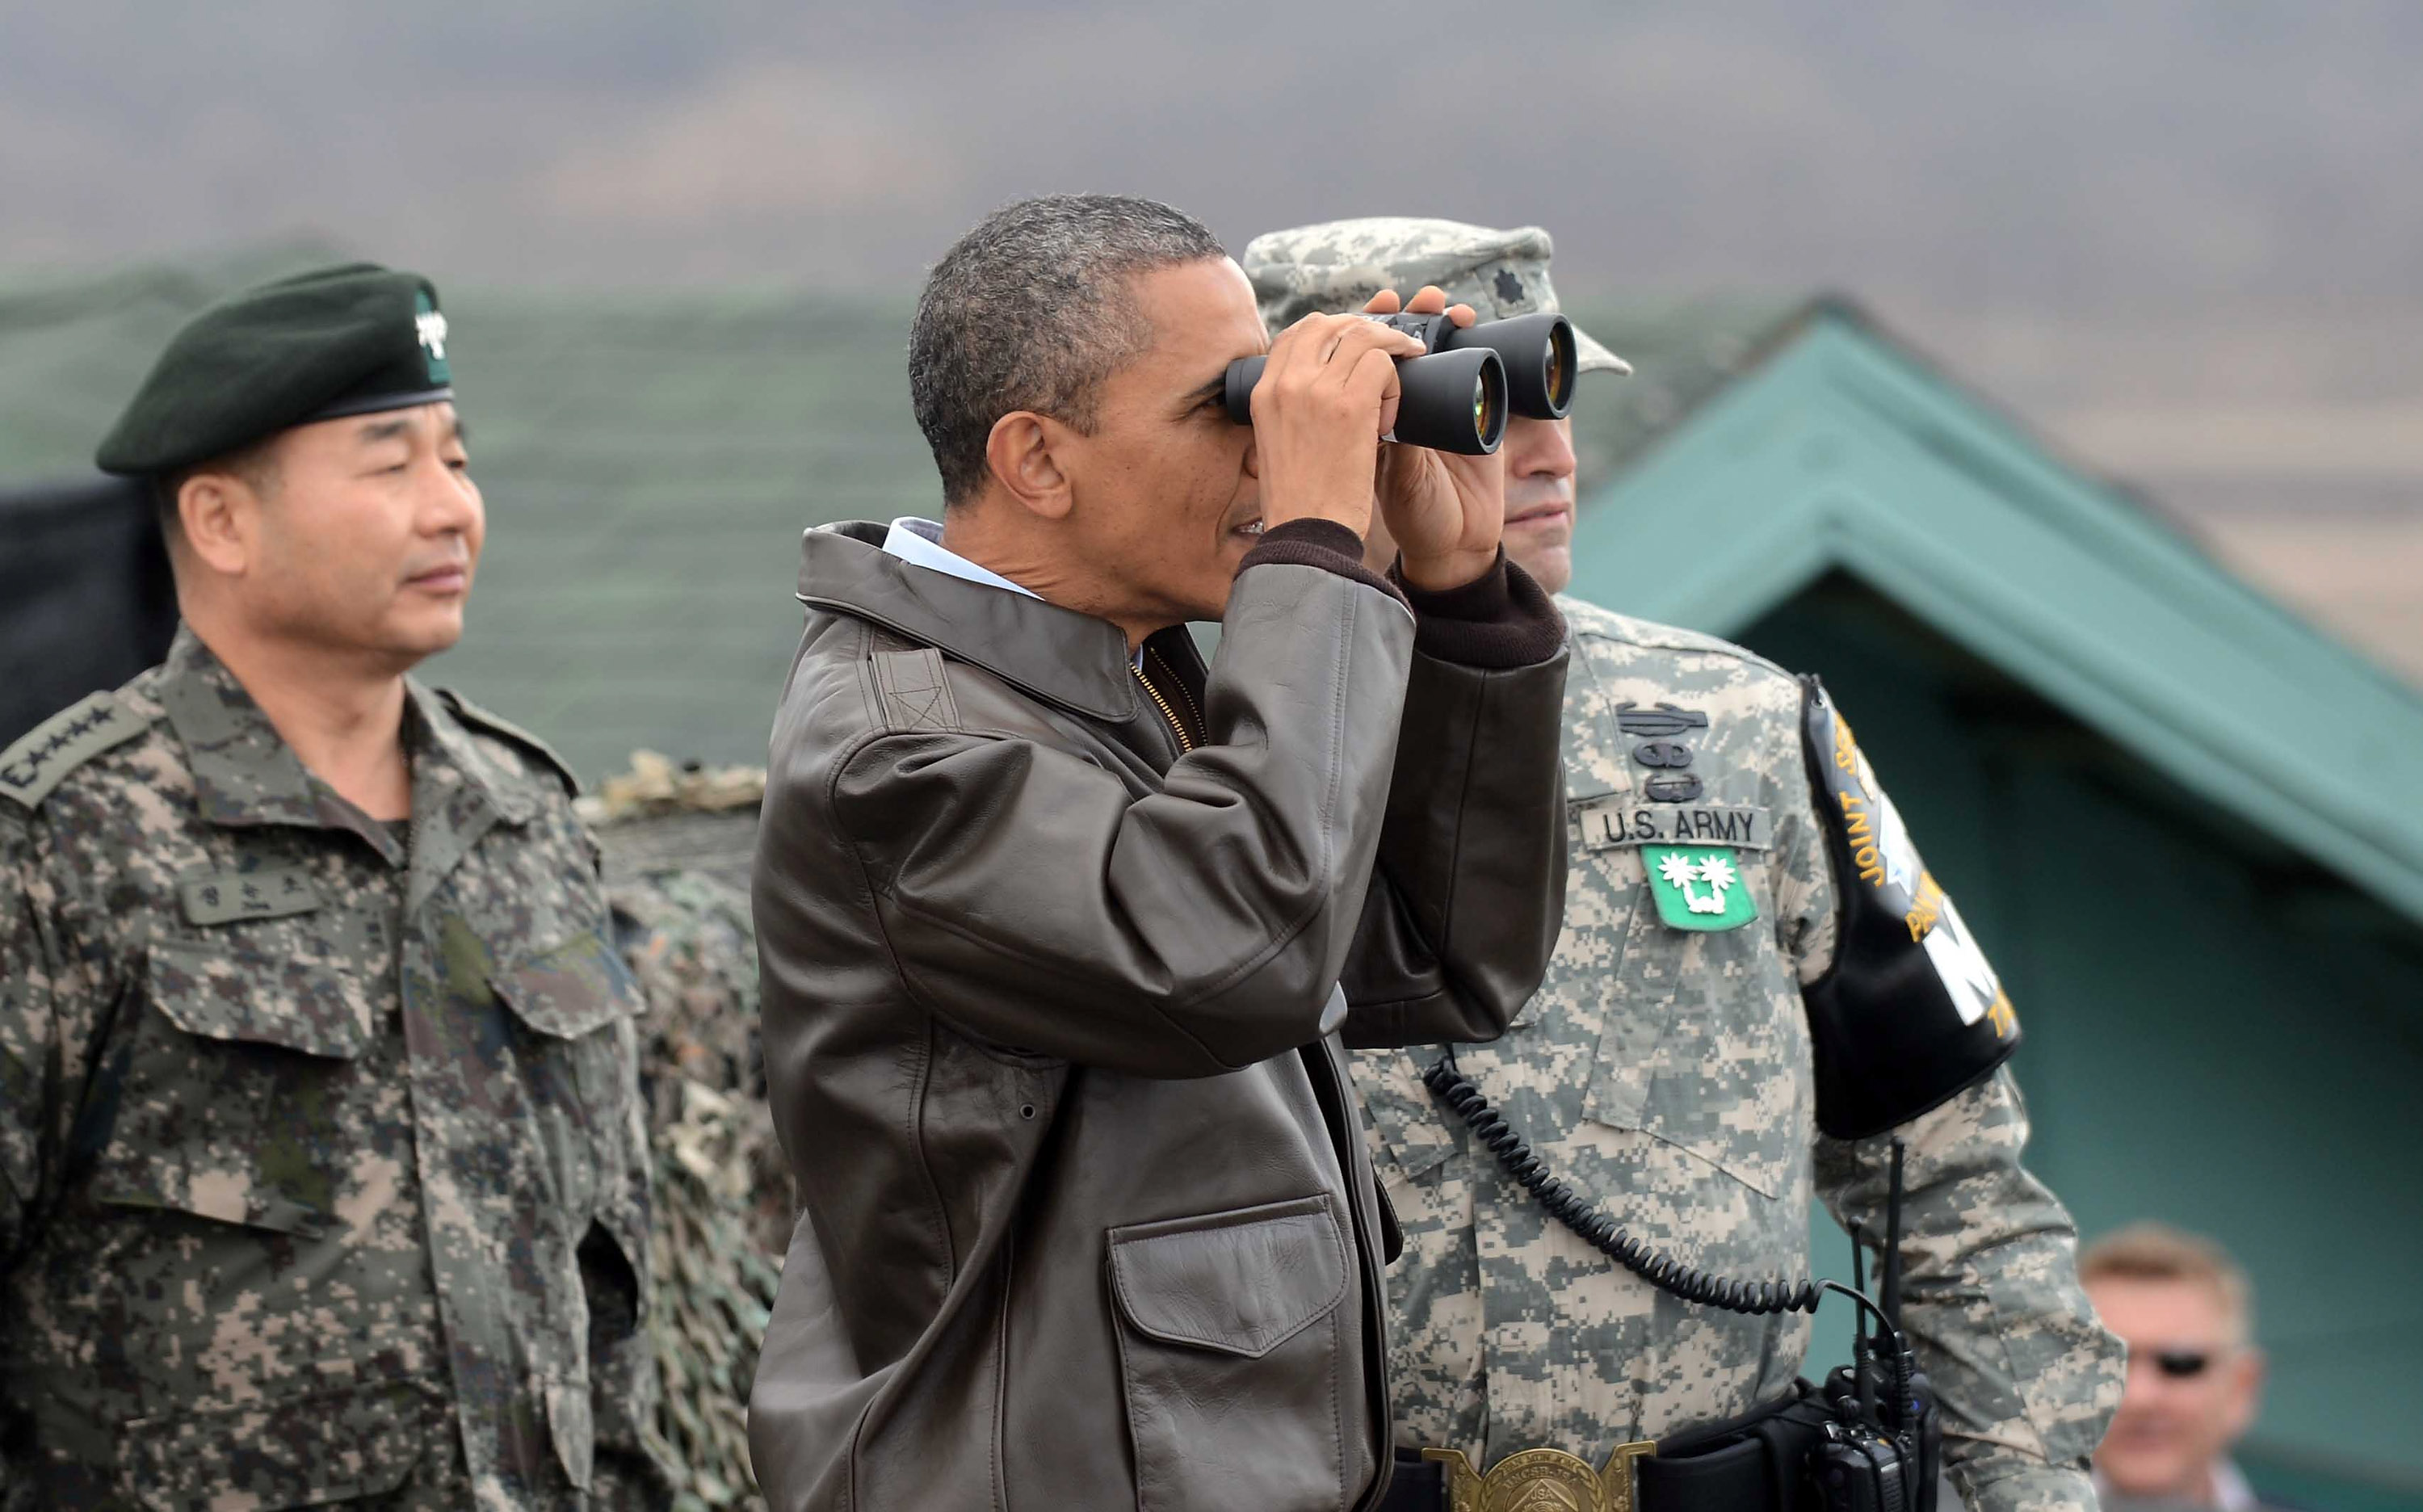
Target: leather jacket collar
[1058, 655]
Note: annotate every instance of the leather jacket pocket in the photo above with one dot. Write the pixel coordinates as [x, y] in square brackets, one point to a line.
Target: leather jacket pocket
[1229, 1352]
[220, 1113]
[300, 1450]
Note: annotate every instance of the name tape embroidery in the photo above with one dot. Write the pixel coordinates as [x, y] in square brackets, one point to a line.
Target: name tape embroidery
[226, 896]
[1615, 819]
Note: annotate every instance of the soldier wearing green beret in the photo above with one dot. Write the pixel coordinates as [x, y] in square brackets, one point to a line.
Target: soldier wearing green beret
[322, 1171]
[1665, 1069]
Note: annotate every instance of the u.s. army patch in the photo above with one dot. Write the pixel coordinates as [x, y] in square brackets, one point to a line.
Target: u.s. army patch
[1698, 886]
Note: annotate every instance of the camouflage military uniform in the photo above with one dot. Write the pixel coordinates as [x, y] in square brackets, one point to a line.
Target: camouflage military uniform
[321, 1164]
[1666, 1075]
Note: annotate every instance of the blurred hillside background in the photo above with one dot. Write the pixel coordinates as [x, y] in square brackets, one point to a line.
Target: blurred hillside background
[2181, 237]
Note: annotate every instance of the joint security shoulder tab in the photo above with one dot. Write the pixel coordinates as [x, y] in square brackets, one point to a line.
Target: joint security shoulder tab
[1911, 1014]
[69, 738]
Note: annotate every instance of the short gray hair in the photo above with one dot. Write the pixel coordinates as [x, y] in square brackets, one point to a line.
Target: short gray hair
[1032, 309]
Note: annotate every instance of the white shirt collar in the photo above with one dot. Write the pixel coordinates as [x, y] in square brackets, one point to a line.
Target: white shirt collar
[920, 542]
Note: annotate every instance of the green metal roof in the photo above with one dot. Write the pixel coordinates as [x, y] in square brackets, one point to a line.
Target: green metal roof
[1838, 449]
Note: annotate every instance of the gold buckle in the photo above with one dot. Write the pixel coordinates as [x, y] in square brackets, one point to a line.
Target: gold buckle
[1545, 1480]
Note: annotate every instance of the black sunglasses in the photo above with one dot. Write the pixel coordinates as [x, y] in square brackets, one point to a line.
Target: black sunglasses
[2181, 1365]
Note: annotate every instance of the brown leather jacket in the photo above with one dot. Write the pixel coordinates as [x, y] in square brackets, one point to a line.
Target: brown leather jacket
[1052, 1014]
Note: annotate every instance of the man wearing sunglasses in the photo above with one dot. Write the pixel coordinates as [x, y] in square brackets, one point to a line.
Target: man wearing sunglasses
[2195, 1374]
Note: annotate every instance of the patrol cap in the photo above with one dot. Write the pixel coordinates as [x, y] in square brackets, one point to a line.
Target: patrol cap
[1337, 266]
[350, 340]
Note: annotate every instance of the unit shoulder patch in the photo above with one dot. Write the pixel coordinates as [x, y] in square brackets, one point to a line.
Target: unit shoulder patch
[480, 719]
[37, 763]
[1697, 887]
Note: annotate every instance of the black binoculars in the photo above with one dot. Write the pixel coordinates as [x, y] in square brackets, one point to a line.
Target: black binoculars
[1457, 396]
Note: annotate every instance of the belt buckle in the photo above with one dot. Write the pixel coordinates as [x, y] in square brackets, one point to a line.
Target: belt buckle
[1545, 1480]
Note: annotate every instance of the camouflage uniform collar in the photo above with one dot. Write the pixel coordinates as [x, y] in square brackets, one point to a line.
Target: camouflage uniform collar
[448, 763]
[244, 770]
[244, 774]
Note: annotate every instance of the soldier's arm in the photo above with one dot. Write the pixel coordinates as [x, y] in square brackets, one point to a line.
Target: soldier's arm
[1991, 1298]
[57, 1014]
[29, 1057]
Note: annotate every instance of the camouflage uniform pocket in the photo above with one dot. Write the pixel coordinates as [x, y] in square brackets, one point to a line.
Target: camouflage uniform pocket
[218, 1112]
[571, 990]
[575, 1001]
[331, 1446]
[1704, 1046]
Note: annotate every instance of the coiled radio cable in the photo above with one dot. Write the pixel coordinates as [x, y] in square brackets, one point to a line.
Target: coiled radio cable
[1568, 1207]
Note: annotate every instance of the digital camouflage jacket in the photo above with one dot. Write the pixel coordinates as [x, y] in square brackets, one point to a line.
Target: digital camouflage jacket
[1664, 1074]
[321, 1164]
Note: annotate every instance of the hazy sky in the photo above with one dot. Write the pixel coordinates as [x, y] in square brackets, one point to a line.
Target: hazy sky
[2141, 159]
[2182, 236]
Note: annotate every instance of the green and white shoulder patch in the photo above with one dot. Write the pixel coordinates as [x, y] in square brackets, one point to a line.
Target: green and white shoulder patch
[1697, 887]
[69, 738]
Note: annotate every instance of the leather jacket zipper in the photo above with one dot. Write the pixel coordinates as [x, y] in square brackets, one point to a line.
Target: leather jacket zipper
[1168, 713]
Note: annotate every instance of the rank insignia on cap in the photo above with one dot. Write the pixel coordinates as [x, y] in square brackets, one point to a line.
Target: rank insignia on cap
[429, 326]
[1697, 887]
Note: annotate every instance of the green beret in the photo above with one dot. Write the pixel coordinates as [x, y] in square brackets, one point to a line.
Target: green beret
[351, 340]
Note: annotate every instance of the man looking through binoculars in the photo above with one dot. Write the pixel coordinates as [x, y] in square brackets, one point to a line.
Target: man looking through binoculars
[1059, 928]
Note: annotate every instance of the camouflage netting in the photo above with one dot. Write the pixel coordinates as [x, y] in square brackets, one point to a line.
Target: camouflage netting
[676, 845]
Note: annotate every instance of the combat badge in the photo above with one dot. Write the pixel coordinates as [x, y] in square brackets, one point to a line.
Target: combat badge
[1663, 721]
